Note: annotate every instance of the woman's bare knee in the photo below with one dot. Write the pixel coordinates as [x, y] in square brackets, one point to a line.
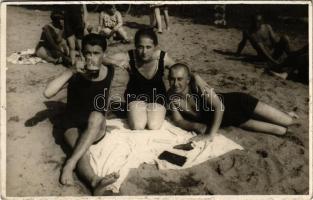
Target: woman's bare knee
[154, 125]
[136, 125]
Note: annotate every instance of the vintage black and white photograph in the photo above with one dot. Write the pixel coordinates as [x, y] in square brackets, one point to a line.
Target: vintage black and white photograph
[159, 98]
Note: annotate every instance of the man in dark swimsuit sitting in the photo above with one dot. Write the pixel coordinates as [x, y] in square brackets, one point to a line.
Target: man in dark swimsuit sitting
[85, 121]
[196, 107]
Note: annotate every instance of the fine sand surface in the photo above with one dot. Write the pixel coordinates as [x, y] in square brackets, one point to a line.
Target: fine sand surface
[268, 165]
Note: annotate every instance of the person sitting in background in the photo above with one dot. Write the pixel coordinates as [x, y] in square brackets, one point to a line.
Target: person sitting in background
[85, 116]
[111, 23]
[295, 67]
[282, 61]
[220, 15]
[196, 107]
[268, 45]
[52, 47]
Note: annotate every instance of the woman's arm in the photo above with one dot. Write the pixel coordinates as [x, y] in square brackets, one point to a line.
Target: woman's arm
[117, 60]
[57, 84]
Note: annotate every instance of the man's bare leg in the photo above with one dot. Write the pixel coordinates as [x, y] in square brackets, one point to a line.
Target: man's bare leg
[72, 44]
[273, 115]
[44, 54]
[166, 19]
[95, 122]
[157, 15]
[84, 168]
[263, 127]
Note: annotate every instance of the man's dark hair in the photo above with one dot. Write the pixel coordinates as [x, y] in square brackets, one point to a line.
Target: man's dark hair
[180, 66]
[56, 15]
[146, 32]
[94, 39]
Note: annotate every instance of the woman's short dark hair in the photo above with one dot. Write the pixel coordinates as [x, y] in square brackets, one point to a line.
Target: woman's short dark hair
[146, 32]
[94, 39]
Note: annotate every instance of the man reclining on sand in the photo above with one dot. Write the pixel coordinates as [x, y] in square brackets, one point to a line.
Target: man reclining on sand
[52, 46]
[84, 121]
[196, 107]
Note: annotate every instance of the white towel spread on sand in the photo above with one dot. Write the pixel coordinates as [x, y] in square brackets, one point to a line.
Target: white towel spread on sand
[123, 149]
[26, 57]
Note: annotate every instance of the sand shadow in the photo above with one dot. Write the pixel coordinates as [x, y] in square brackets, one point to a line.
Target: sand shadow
[55, 113]
[135, 25]
[253, 59]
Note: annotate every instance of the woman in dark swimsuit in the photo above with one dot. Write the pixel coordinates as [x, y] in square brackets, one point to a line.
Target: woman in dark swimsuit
[145, 94]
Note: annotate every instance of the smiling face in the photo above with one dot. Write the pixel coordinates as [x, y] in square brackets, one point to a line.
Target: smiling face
[145, 48]
[94, 56]
[179, 80]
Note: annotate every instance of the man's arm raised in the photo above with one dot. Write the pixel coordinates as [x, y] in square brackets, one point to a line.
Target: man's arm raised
[57, 84]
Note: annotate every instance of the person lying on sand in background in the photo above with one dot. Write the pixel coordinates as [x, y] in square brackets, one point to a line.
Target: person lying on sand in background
[145, 94]
[52, 47]
[85, 121]
[111, 23]
[269, 46]
[75, 24]
[196, 107]
[295, 67]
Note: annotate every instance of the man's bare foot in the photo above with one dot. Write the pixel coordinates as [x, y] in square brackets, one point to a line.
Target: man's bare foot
[283, 75]
[67, 175]
[101, 188]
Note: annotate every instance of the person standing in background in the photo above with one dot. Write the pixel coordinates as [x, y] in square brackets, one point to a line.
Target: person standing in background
[156, 16]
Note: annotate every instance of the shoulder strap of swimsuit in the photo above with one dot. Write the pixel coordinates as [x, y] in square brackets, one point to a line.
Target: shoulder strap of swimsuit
[132, 61]
[161, 61]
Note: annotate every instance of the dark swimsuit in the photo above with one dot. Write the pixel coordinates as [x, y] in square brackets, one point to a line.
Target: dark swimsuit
[81, 95]
[73, 21]
[141, 89]
[238, 108]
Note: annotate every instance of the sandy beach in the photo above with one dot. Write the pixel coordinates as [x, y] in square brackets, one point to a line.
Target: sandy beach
[268, 165]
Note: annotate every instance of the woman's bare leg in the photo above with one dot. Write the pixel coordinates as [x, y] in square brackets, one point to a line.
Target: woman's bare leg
[273, 115]
[156, 115]
[137, 115]
[264, 127]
